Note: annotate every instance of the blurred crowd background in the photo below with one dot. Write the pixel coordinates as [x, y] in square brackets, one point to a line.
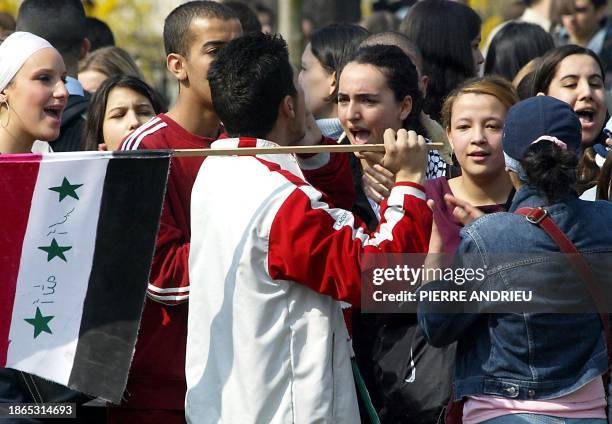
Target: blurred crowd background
[137, 24]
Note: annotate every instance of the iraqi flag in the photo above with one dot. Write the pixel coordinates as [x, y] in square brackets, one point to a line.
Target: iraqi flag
[77, 235]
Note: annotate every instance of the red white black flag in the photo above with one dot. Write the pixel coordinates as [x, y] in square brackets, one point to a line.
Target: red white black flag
[77, 234]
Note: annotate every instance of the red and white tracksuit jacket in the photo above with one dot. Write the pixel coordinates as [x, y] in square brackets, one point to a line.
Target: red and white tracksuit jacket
[157, 374]
[269, 259]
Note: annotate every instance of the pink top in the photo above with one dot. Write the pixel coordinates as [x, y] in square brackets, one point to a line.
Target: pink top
[587, 402]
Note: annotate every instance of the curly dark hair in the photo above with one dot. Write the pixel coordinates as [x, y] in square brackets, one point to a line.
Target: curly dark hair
[551, 170]
[248, 80]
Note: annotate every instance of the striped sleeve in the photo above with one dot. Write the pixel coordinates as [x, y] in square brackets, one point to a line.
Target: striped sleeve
[169, 278]
[133, 140]
[322, 247]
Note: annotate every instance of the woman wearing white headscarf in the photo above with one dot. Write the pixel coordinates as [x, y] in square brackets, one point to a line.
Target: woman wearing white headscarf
[32, 92]
[32, 98]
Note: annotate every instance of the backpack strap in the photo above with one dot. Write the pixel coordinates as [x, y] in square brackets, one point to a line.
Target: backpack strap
[541, 218]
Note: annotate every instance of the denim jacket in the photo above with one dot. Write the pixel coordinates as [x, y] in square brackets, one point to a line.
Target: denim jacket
[525, 355]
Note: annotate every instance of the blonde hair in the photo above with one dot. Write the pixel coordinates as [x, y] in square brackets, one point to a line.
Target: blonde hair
[493, 85]
[111, 61]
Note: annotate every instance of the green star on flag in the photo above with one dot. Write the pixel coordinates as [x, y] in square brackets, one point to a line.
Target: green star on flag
[55, 250]
[66, 189]
[40, 322]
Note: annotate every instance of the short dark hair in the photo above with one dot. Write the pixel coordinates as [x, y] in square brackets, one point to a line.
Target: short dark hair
[248, 19]
[443, 30]
[248, 81]
[514, 46]
[401, 74]
[333, 46]
[97, 105]
[98, 33]
[177, 26]
[61, 23]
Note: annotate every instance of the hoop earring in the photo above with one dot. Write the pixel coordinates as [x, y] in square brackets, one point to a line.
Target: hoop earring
[8, 111]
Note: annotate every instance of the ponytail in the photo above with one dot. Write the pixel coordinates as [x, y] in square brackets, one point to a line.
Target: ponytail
[551, 170]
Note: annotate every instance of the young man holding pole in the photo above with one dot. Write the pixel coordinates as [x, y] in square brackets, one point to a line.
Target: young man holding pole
[270, 256]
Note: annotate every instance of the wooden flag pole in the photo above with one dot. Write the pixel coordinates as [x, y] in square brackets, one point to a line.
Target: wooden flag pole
[247, 151]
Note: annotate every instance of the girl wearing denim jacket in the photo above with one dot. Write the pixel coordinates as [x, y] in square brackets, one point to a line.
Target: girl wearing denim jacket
[530, 362]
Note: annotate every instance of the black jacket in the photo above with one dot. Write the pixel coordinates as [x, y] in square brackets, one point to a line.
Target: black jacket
[73, 125]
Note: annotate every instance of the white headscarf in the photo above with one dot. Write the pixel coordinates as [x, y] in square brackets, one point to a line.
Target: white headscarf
[15, 51]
